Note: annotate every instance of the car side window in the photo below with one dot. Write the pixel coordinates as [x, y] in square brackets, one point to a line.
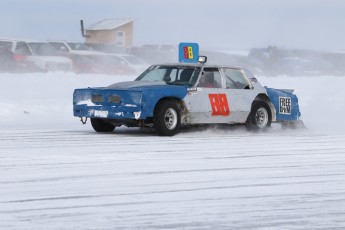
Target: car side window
[210, 78]
[59, 46]
[22, 49]
[184, 75]
[235, 79]
[4, 45]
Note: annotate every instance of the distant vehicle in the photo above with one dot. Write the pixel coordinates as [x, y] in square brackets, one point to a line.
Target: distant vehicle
[20, 51]
[106, 48]
[156, 54]
[100, 64]
[71, 47]
[37, 56]
[90, 61]
[294, 62]
[46, 58]
[168, 96]
[82, 63]
[132, 61]
[7, 62]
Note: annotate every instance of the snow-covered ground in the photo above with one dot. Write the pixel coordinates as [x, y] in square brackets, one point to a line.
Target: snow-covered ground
[56, 173]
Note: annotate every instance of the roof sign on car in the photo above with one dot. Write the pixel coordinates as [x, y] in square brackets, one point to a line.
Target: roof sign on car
[188, 52]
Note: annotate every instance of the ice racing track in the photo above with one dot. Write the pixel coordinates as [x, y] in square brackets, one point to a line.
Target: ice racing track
[66, 176]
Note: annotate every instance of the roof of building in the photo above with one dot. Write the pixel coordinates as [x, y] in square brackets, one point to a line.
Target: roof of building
[109, 24]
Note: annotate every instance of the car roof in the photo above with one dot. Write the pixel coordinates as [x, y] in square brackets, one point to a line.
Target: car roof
[22, 40]
[34, 41]
[199, 65]
[64, 41]
[13, 40]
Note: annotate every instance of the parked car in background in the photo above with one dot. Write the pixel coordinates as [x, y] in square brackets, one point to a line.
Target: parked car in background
[7, 61]
[106, 48]
[156, 54]
[31, 56]
[121, 54]
[100, 64]
[131, 61]
[86, 60]
[17, 51]
[70, 47]
[111, 64]
[46, 57]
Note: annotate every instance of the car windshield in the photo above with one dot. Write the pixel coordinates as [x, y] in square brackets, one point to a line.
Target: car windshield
[172, 75]
[77, 46]
[42, 49]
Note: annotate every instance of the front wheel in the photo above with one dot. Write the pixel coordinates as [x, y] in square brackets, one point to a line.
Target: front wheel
[167, 118]
[99, 125]
[260, 116]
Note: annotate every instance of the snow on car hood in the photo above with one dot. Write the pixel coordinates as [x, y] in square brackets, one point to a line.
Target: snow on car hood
[135, 84]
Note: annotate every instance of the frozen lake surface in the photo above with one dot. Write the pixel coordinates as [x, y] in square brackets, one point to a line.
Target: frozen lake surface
[58, 174]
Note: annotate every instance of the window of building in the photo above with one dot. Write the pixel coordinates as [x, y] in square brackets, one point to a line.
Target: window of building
[120, 38]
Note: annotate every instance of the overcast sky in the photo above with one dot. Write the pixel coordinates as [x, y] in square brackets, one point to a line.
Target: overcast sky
[242, 24]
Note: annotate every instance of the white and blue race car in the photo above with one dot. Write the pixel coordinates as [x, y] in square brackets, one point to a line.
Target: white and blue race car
[168, 96]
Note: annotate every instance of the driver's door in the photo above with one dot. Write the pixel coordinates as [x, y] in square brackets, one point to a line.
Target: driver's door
[208, 102]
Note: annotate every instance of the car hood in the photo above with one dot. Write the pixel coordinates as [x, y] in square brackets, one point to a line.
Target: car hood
[140, 85]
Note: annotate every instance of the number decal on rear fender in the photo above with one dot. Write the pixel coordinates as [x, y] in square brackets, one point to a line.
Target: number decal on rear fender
[219, 104]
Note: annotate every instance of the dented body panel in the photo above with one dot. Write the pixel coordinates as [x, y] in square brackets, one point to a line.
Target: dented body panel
[285, 104]
[134, 102]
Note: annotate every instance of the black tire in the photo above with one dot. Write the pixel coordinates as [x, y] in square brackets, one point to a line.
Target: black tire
[167, 118]
[99, 125]
[260, 117]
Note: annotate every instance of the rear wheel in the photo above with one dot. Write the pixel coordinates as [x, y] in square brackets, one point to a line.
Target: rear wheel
[260, 116]
[167, 118]
[99, 125]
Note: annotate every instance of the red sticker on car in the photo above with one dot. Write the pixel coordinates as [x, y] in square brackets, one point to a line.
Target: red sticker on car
[219, 104]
